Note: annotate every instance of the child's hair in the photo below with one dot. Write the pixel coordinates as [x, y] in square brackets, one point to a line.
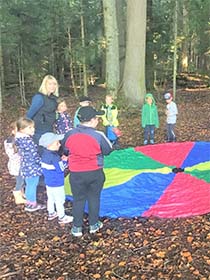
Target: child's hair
[43, 88]
[109, 95]
[60, 100]
[23, 123]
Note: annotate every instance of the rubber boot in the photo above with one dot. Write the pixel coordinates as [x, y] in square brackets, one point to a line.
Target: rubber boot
[18, 197]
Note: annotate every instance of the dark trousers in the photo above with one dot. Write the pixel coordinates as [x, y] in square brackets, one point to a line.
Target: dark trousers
[171, 137]
[86, 186]
[149, 132]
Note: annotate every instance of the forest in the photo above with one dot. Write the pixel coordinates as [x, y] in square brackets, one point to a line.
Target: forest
[94, 47]
[130, 47]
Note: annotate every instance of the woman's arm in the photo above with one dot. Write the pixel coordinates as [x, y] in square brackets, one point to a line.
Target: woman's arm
[36, 104]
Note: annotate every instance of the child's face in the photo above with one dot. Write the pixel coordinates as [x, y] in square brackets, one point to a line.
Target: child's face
[29, 130]
[54, 146]
[168, 100]
[62, 107]
[109, 100]
[85, 103]
[14, 131]
[149, 100]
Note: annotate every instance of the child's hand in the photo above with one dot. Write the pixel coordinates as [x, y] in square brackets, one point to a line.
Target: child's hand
[167, 112]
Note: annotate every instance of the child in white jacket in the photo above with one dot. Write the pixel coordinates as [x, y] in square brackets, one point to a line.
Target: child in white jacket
[14, 165]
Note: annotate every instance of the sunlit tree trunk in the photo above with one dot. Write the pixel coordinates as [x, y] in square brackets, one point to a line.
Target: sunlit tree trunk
[185, 42]
[71, 62]
[134, 72]
[112, 47]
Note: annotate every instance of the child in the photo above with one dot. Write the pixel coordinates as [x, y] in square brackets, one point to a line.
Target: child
[87, 148]
[63, 121]
[149, 118]
[53, 170]
[171, 113]
[110, 120]
[14, 164]
[83, 101]
[30, 165]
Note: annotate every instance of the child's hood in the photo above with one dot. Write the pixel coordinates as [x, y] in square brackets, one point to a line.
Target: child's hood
[149, 95]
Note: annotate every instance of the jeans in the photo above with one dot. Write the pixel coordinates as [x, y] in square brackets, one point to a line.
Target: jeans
[30, 189]
[86, 186]
[149, 132]
[170, 132]
[19, 183]
[56, 198]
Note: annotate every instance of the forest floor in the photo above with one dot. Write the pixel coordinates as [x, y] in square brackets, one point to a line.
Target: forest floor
[134, 249]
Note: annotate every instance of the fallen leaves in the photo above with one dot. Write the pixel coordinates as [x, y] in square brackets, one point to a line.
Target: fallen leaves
[132, 249]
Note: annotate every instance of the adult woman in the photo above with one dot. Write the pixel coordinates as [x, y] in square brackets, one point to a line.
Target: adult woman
[43, 107]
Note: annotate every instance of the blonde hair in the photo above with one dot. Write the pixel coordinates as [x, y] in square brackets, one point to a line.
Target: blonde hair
[23, 123]
[43, 88]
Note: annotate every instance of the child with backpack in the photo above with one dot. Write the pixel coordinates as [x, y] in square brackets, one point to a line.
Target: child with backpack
[14, 164]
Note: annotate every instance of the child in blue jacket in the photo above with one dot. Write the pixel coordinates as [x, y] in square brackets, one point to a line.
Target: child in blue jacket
[30, 165]
[53, 170]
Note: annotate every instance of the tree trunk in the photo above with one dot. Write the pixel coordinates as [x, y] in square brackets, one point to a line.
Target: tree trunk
[185, 42]
[21, 75]
[112, 47]
[150, 72]
[2, 85]
[84, 67]
[134, 72]
[121, 25]
[175, 49]
[71, 62]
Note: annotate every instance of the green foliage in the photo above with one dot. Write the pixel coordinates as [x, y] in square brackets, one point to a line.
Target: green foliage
[40, 29]
[160, 36]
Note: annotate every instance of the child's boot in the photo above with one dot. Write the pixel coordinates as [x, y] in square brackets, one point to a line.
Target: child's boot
[18, 197]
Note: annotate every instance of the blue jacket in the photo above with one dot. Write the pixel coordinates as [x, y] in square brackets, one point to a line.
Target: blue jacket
[53, 168]
[30, 160]
[63, 123]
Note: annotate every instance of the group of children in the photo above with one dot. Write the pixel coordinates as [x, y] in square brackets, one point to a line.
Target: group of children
[27, 165]
[150, 119]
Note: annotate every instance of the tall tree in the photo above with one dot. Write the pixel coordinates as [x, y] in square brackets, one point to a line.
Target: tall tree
[134, 72]
[121, 23]
[175, 48]
[112, 47]
[84, 66]
[185, 37]
[1, 73]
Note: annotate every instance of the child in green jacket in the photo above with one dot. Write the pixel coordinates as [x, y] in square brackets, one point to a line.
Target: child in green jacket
[149, 118]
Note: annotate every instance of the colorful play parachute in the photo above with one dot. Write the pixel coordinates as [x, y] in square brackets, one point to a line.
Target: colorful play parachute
[165, 180]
